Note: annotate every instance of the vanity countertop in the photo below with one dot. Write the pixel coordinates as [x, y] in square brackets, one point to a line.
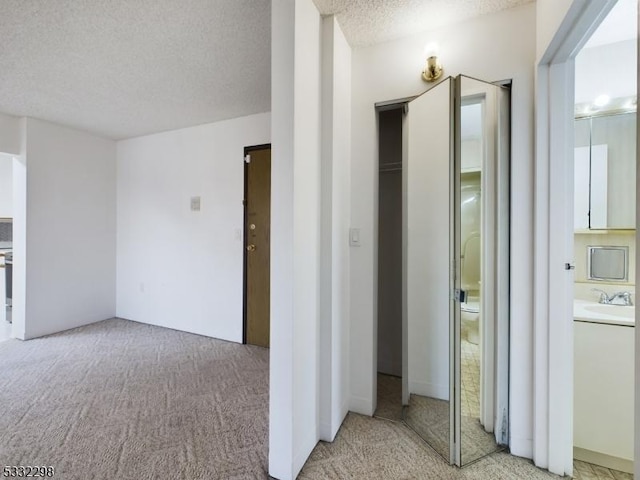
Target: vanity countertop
[587, 311]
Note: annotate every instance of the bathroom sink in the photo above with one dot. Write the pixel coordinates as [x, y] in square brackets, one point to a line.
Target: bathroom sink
[614, 310]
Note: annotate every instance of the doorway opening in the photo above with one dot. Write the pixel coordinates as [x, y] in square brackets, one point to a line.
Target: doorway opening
[6, 244]
[389, 368]
[257, 245]
[13, 195]
[604, 246]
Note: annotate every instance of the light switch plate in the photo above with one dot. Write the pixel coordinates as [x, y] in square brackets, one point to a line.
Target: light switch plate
[195, 204]
[354, 237]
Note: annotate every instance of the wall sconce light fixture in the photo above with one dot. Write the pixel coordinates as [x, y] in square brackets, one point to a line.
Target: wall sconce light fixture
[433, 68]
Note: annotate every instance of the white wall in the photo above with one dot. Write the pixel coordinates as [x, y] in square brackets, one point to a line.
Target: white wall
[392, 70]
[295, 235]
[70, 206]
[549, 16]
[10, 134]
[6, 186]
[306, 229]
[281, 386]
[336, 151]
[606, 69]
[178, 268]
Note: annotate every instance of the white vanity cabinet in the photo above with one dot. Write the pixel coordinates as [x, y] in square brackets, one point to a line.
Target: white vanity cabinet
[603, 394]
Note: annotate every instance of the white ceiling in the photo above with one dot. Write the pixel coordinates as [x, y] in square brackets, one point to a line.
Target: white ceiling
[124, 68]
[621, 24]
[367, 22]
[607, 65]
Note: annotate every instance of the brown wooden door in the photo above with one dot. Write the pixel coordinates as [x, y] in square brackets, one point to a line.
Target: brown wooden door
[257, 246]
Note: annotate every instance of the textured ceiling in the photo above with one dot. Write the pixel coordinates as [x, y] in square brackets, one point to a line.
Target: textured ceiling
[123, 68]
[367, 22]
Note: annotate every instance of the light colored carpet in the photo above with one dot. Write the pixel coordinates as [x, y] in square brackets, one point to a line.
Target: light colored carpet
[124, 400]
[372, 448]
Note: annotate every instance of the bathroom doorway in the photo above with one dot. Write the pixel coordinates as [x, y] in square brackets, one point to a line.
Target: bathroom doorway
[555, 261]
[604, 243]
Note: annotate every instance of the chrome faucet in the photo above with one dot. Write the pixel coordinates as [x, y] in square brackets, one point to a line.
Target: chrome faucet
[625, 298]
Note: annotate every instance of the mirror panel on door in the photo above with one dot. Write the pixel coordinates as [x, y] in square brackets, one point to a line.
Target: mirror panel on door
[427, 169]
[481, 250]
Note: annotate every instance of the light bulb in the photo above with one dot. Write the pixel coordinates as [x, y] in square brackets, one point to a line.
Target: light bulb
[431, 50]
[601, 100]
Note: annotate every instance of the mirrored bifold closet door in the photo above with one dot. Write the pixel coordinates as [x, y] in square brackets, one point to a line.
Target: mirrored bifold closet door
[455, 267]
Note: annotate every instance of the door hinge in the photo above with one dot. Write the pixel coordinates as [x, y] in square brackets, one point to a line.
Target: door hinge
[459, 295]
[247, 158]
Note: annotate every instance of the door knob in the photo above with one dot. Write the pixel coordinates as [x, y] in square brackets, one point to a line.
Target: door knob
[251, 248]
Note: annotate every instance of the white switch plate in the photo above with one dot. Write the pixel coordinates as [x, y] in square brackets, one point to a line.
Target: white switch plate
[195, 204]
[354, 237]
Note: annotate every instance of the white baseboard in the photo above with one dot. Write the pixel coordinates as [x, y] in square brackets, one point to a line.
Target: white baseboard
[302, 453]
[328, 431]
[604, 460]
[521, 447]
[389, 368]
[326, 435]
[429, 389]
[360, 405]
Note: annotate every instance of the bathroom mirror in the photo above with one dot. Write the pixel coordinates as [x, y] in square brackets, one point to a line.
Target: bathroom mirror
[605, 171]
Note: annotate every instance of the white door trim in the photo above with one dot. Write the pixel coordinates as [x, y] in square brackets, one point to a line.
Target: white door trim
[553, 237]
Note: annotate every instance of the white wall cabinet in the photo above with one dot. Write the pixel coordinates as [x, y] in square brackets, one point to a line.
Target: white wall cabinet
[604, 172]
[590, 187]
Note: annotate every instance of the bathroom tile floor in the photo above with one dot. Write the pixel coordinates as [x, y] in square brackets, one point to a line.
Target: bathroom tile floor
[390, 408]
[470, 379]
[587, 471]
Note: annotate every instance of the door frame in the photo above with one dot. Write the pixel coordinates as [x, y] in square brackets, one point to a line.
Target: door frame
[245, 166]
[553, 238]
